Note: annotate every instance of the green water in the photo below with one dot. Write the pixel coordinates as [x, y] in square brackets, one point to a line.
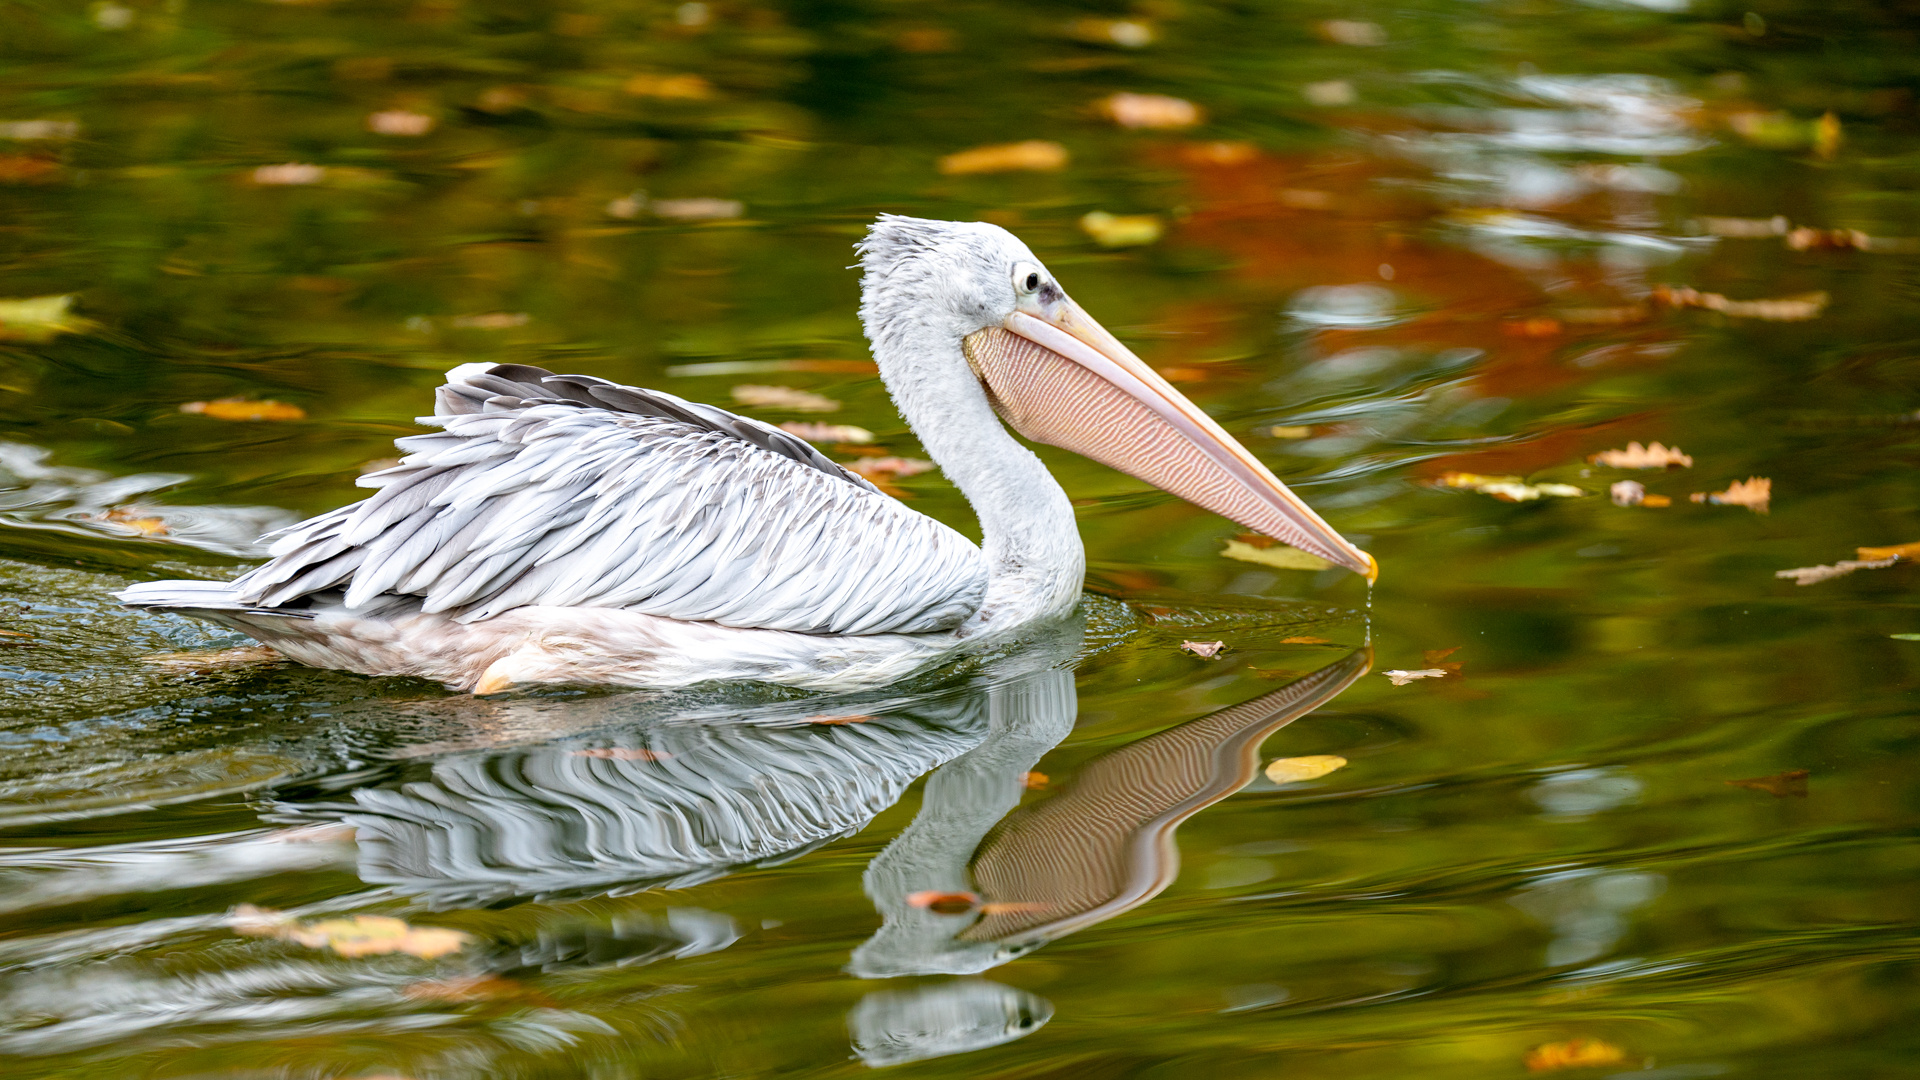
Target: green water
[1424, 236]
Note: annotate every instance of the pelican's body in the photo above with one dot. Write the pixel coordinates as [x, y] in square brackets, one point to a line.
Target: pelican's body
[564, 529]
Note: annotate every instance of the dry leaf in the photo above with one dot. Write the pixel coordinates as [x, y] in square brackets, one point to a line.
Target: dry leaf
[1205, 650]
[399, 122]
[1573, 1054]
[291, 174]
[1289, 431]
[1636, 456]
[1628, 493]
[1753, 493]
[682, 87]
[890, 467]
[1507, 488]
[1806, 239]
[944, 903]
[830, 433]
[1656, 501]
[621, 753]
[1034, 155]
[1808, 575]
[1277, 555]
[697, 209]
[131, 520]
[361, 935]
[1033, 781]
[755, 396]
[1150, 111]
[1121, 230]
[1432, 658]
[1897, 551]
[1351, 32]
[235, 408]
[1402, 678]
[40, 319]
[1746, 228]
[1786, 309]
[1304, 641]
[1294, 770]
[1329, 93]
[1792, 782]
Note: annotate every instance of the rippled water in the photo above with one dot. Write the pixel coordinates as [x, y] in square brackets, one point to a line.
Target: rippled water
[1397, 244]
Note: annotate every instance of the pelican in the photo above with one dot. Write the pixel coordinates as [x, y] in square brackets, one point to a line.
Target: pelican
[567, 529]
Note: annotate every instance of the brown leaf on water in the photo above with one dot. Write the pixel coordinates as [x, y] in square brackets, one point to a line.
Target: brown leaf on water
[790, 399]
[1790, 783]
[1149, 110]
[1121, 230]
[944, 903]
[1433, 657]
[828, 433]
[360, 935]
[1205, 650]
[1797, 308]
[1034, 155]
[1808, 575]
[38, 319]
[237, 408]
[1754, 493]
[1402, 677]
[622, 753]
[1636, 456]
[891, 467]
[1295, 770]
[1897, 551]
[1573, 1054]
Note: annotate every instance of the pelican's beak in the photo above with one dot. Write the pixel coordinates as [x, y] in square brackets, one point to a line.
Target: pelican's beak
[1058, 377]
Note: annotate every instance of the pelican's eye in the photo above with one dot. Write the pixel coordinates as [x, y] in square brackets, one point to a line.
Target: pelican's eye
[1033, 281]
[1027, 278]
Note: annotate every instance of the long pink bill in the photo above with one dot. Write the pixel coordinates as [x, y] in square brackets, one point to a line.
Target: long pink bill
[1058, 377]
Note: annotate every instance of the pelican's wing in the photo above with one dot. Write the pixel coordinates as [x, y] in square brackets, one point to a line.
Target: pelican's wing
[566, 490]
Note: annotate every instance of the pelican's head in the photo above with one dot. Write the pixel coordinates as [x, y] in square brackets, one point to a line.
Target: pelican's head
[1056, 376]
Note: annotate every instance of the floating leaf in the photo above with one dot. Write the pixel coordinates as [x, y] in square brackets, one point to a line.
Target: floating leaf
[680, 87]
[1401, 678]
[1793, 783]
[1304, 641]
[1034, 155]
[492, 320]
[1785, 309]
[39, 129]
[1754, 493]
[361, 935]
[1826, 136]
[890, 467]
[1126, 33]
[39, 319]
[1573, 1054]
[235, 408]
[291, 174]
[622, 753]
[1351, 32]
[756, 396]
[1205, 650]
[944, 903]
[830, 433]
[1150, 111]
[1033, 781]
[1288, 431]
[1275, 554]
[1905, 637]
[1507, 488]
[1808, 575]
[1329, 93]
[398, 122]
[1902, 551]
[131, 520]
[1628, 493]
[1636, 456]
[1433, 657]
[1294, 770]
[1121, 230]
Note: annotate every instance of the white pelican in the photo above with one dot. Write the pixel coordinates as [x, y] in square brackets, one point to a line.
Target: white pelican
[566, 529]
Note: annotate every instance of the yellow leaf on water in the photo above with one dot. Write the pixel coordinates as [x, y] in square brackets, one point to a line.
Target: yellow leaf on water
[682, 87]
[133, 521]
[360, 935]
[1754, 493]
[1902, 551]
[1289, 431]
[1294, 770]
[38, 319]
[756, 396]
[1507, 488]
[1149, 110]
[1636, 456]
[1573, 1054]
[1034, 155]
[234, 408]
[1279, 556]
[1121, 230]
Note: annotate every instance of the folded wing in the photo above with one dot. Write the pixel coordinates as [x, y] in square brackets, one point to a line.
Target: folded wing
[566, 490]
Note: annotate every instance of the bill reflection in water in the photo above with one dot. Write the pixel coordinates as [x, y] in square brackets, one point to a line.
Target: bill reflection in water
[677, 804]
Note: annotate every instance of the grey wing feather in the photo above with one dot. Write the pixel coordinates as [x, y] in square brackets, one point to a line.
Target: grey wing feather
[565, 490]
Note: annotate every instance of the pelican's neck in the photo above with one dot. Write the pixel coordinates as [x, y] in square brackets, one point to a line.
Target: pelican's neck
[1027, 528]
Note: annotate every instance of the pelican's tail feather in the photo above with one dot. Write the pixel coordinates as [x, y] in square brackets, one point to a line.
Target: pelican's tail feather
[196, 598]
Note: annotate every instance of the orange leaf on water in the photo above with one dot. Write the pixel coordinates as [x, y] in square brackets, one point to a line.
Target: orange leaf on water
[235, 408]
[360, 935]
[1033, 781]
[1792, 782]
[1034, 155]
[1897, 551]
[1573, 1054]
